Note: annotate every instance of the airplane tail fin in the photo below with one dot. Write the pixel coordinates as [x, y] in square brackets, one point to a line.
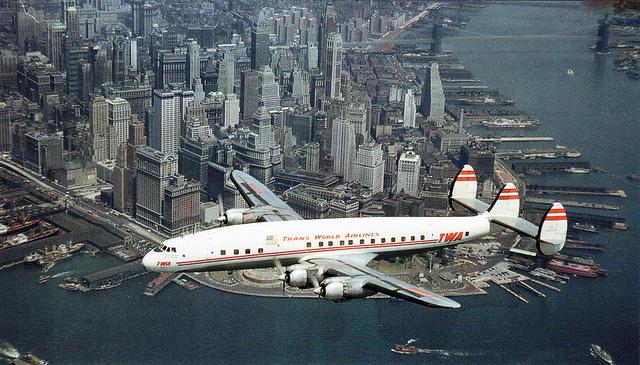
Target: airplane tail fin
[553, 230]
[506, 203]
[464, 190]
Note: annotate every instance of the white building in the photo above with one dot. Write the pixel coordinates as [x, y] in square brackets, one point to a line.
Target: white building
[436, 93]
[409, 116]
[269, 90]
[343, 148]
[119, 114]
[193, 62]
[370, 166]
[231, 110]
[409, 173]
[167, 113]
[226, 69]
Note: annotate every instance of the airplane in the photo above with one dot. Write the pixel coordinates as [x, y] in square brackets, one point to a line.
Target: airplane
[330, 256]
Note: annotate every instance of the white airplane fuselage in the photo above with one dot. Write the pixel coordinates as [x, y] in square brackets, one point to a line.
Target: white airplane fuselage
[258, 245]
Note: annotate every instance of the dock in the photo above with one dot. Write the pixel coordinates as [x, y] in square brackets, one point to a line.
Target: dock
[545, 285]
[114, 276]
[531, 289]
[569, 203]
[512, 292]
[575, 190]
[158, 283]
[515, 139]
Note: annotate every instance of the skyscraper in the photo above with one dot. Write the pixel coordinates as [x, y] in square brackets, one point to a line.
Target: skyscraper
[260, 45]
[119, 115]
[328, 25]
[5, 128]
[55, 39]
[154, 172]
[370, 166]
[99, 128]
[226, 69]
[164, 126]
[333, 66]
[118, 59]
[343, 148]
[312, 161]
[231, 110]
[409, 173]
[249, 82]
[269, 90]
[433, 96]
[409, 117]
[193, 62]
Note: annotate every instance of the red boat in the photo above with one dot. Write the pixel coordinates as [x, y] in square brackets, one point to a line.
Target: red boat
[571, 268]
[405, 349]
[14, 226]
[43, 230]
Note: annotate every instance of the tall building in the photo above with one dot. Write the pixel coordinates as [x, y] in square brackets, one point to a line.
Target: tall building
[268, 90]
[170, 68]
[333, 66]
[99, 128]
[343, 148]
[164, 124]
[193, 62]
[370, 166]
[249, 82]
[73, 24]
[5, 128]
[55, 41]
[409, 120]
[259, 45]
[181, 207]
[118, 59]
[226, 69]
[328, 25]
[311, 57]
[195, 151]
[409, 173]
[124, 172]
[433, 96]
[231, 110]
[299, 86]
[119, 115]
[436, 35]
[312, 161]
[153, 175]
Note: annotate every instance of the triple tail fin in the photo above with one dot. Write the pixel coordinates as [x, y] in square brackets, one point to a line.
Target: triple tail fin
[506, 203]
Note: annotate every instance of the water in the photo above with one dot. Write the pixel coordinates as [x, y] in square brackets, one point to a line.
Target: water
[596, 111]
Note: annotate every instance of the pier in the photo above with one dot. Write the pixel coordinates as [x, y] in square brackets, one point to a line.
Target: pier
[575, 190]
[569, 203]
[158, 283]
[515, 139]
[544, 284]
[512, 292]
[114, 276]
[531, 289]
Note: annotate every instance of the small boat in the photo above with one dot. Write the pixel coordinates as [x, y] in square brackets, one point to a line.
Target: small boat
[570, 72]
[577, 170]
[44, 278]
[600, 354]
[404, 349]
[585, 227]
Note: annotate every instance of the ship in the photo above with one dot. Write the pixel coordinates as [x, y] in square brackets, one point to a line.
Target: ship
[600, 354]
[577, 170]
[504, 123]
[577, 260]
[32, 258]
[571, 268]
[14, 226]
[484, 101]
[633, 177]
[585, 227]
[41, 231]
[406, 349]
[69, 286]
[44, 278]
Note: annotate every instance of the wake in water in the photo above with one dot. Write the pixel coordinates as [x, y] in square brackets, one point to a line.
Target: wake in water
[8, 350]
[446, 353]
[62, 274]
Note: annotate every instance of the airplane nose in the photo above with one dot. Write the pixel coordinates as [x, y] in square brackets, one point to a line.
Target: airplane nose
[147, 261]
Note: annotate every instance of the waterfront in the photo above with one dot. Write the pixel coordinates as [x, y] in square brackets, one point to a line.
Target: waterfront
[204, 326]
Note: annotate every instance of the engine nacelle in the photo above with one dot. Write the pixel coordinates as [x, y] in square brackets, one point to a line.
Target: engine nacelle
[298, 278]
[240, 216]
[340, 289]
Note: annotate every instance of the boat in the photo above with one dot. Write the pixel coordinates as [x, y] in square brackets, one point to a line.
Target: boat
[44, 278]
[571, 268]
[41, 231]
[407, 349]
[570, 72]
[634, 177]
[577, 170]
[600, 354]
[34, 257]
[15, 226]
[577, 260]
[504, 123]
[585, 227]
[573, 154]
[69, 286]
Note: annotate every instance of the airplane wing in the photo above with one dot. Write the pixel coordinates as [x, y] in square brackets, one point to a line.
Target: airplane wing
[377, 281]
[262, 199]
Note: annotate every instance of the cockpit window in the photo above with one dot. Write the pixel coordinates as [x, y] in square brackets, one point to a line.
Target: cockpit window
[173, 249]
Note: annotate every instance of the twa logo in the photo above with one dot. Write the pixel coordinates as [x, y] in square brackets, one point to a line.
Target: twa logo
[451, 236]
[163, 263]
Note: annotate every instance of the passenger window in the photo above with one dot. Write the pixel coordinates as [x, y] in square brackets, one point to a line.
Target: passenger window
[402, 239]
[247, 251]
[223, 252]
[236, 251]
[173, 249]
[413, 238]
[393, 239]
[308, 244]
[422, 237]
[330, 243]
[320, 244]
[383, 240]
[341, 242]
[373, 240]
[351, 242]
[260, 250]
[361, 242]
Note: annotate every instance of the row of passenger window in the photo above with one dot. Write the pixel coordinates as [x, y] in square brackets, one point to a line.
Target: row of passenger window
[362, 241]
[237, 251]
